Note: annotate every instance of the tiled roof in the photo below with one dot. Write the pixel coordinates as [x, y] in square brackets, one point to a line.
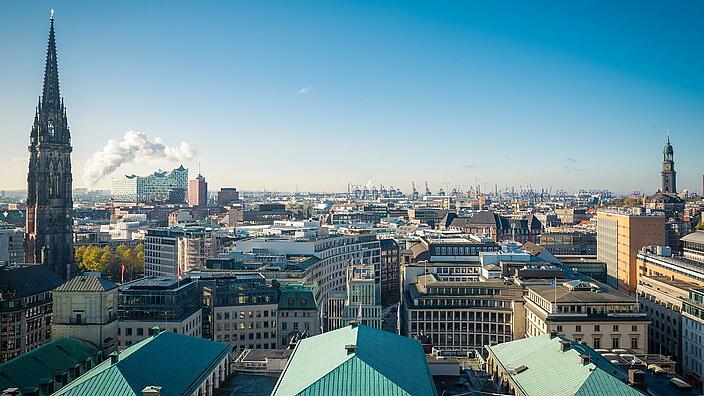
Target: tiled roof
[538, 366]
[177, 363]
[381, 364]
[20, 281]
[38, 366]
[88, 283]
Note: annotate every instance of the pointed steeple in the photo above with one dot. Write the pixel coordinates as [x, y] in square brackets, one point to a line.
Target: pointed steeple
[50, 94]
[49, 180]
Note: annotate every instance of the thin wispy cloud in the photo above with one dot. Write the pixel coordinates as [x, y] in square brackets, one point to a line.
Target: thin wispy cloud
[570, 169]
[571, 165]
[305, 90]
[471, 166]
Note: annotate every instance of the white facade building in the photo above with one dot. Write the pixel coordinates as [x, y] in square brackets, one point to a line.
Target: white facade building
[693, 335]
[161, 186]
[11, 245]
[168, 249]
[335, 254]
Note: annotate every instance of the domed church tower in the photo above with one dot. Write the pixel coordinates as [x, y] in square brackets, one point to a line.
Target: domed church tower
[669, 176]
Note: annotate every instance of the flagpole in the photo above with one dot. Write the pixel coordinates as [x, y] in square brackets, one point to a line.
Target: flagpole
[554, 287]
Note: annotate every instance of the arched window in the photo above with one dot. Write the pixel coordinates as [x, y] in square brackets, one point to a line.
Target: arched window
[51, 128]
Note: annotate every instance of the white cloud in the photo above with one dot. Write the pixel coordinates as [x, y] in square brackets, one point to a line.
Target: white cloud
[134, 146]
[305, 90]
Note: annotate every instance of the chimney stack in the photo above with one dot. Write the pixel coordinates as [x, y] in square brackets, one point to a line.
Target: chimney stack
[114, 357]
[351, 348]
[151, 390]
[586, 359]
[565, 345]
[637, 379]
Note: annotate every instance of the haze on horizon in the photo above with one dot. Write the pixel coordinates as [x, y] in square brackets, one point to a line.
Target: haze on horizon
[309, 96]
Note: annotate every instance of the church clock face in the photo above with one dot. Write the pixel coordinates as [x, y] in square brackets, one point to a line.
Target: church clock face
[668, 167]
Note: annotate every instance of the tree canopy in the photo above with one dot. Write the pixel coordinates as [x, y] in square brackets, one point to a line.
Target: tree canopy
[108, 261]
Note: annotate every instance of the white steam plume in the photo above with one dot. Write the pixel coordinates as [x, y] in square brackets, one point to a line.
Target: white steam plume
[134, 146]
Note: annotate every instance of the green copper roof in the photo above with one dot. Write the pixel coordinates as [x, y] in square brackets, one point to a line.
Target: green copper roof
[175, 362]
[549, 371]
[39, 365]
[383, 364]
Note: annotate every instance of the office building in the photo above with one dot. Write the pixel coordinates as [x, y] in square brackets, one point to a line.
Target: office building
[12, 245]
[620, 235]
[160, 186]
[390, 271]
[198, 191]
[462, 315]
[566, 241]
[241, 309]
[168, 249]
[86, 308]
[49, 227]
[228, 195]
[298, 312]
[586, 311]
[693, 336]
[358, 360]
[662, 298]
[164, 302]
[659, 261]
[570, 216]
[693, 246]
[25, 308]
[360, 301]
[334, 253]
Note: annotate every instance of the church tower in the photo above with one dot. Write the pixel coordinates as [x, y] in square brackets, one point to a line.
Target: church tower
[49, 182]
[669, 176]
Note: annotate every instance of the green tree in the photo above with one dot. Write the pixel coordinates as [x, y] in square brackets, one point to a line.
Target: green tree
[109, 261]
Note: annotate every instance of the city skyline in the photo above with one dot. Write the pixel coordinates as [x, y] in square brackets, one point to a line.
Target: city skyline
[211, 82]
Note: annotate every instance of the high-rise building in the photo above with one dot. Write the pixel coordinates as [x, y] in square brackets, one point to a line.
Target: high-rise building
[49, 198]
[390, 271]
[669, 176]
[168, 249]
[620, 235]
[360, 302]
[228, 195]
[160, 186]
[198, 191]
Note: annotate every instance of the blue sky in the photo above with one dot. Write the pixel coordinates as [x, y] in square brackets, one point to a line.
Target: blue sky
[313, 94]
